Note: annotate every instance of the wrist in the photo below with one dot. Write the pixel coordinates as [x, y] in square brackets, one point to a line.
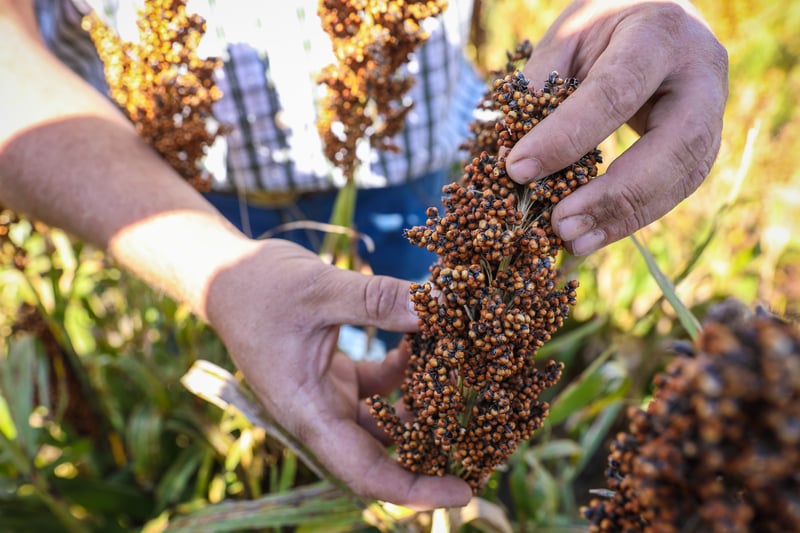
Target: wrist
[182, 253]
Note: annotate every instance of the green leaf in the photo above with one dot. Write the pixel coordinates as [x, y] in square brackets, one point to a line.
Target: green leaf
[78, 326]
[175, 483]
[544, 494]
[520, 494]
[596, 434]
[26, 514]
[18, 387]
[7, 426]
[555, 449]
[15, 287]
[582, 391]
[36, 270]
[19, 232]
[144, 379]
[288, 471]
[315, 504]
[106, 496]
[64, 259]
[335, 245]
[687, 319]
[562, 343]
[144, 440]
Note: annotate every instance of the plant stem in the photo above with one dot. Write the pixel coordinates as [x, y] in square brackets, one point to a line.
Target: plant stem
[336, 248]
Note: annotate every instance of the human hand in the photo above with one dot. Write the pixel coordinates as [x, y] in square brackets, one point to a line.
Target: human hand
[278, 313]
[653, 65]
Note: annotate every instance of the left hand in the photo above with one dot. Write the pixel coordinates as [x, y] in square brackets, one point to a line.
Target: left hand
[653, 65]
[278, 310]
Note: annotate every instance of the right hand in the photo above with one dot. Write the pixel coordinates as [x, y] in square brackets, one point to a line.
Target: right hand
[653, 65]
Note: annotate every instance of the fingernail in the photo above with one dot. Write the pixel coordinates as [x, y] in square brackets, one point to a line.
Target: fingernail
[525, 170]
[589, 242]
[573, 227]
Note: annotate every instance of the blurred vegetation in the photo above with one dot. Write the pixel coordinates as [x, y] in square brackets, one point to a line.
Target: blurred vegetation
[97, 433]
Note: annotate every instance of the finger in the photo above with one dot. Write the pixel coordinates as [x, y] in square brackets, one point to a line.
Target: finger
[385, 376]
[663, 167]
[617, 86]
[356, 458]
[347, 297]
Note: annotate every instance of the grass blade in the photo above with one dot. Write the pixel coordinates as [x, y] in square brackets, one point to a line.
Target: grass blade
[145, 430]
[175, 482]
[18, 387]
[687, 319]
[592, 384]
[315, 504]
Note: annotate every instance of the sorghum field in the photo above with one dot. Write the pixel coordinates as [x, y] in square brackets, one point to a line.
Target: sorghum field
[101, 429]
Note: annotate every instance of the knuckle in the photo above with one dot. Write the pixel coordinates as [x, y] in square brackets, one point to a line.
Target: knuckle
[561, 148]
[690, 184]
[719, 59]
[621, 92]
[694, 147]
[627, 213]
[618, 97]
[625, 227]
[673, 19]
[379, 297]
[668, 23]
[624, 206]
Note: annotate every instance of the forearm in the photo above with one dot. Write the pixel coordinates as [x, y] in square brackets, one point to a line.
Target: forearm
[69, 158]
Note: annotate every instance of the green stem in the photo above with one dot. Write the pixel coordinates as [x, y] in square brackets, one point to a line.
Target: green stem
[470, 396]
[336, 246]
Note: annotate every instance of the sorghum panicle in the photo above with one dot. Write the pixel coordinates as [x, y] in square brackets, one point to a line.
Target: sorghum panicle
[718, 447]
[485, 136]
[162, 85]
[365, 88]
[492, 300]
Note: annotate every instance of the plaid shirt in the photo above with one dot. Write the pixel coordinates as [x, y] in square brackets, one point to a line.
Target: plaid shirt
[272, 52]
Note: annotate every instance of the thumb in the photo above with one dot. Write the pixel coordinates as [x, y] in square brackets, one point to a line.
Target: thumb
[363, 300]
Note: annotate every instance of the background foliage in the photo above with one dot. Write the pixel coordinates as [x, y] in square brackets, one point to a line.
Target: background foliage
[98, 433]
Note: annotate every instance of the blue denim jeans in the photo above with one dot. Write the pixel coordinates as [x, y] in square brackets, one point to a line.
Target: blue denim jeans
[382, 214]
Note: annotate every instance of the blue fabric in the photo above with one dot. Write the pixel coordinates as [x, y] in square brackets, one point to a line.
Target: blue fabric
[382, 214]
